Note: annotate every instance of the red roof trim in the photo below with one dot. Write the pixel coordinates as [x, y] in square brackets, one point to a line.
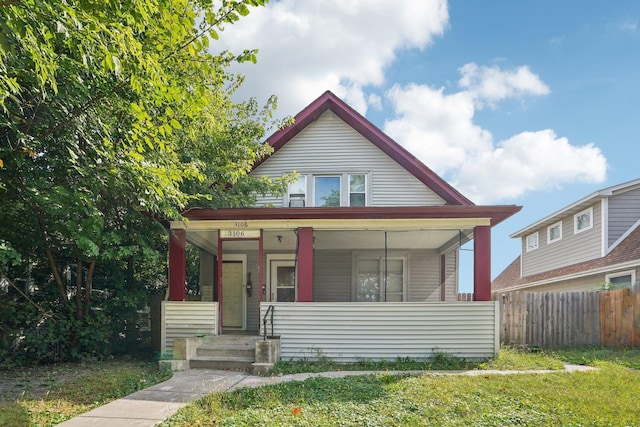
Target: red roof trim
[329, 101]
[496, 213]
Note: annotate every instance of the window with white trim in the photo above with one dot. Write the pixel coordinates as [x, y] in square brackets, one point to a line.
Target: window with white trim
[583, 220]
[298, 192]
[370, 274]
[554, 232]
[622, 279]
[327, 190]
[532, 241]
[357, 190]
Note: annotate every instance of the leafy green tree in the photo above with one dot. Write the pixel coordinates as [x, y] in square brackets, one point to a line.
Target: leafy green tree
[113, 113]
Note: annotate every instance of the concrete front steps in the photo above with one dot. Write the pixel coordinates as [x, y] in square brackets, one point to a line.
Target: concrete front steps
[226, 352]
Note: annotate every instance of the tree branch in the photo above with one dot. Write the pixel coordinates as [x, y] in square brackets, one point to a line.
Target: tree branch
[47, 313]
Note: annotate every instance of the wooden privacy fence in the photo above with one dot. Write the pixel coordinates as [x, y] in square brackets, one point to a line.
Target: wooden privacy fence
[555, 319]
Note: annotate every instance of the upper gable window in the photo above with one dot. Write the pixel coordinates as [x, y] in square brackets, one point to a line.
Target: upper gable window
[532, 242]
[583, 220]
[554, 232]
[327, 191]
[357, 190]
[298, 192]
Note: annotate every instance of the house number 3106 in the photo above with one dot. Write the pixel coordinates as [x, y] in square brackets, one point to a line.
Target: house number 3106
[241, 224]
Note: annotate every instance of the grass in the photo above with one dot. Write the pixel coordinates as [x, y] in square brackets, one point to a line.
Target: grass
[508, 359]
[48, 395]
[607, 396]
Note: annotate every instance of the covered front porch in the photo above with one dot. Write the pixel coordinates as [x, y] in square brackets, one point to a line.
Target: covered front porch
[253, 258]
[309, 236]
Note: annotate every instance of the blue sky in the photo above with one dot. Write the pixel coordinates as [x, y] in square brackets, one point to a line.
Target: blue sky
[530, 103]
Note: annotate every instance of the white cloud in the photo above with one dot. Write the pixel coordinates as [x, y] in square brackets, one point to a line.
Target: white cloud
[309, 46]
[491, 84]
[439, 130]
[436, 128]
[529, 161]
[627, 25]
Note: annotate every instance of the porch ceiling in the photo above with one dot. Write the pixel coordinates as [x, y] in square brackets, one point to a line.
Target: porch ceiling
[335, 239]
[413, 227]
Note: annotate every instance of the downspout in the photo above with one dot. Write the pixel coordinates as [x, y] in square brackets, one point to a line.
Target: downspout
[385, 266]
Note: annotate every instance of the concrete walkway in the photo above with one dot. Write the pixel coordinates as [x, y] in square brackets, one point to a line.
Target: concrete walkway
[153, 405]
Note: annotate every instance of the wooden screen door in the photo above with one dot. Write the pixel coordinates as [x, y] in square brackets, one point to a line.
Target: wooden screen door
[232, 294]
[283, 280]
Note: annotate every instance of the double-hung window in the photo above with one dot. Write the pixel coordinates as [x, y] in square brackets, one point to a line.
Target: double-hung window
[357, 190]
[329, 190]
[380, 279]
[298, 192]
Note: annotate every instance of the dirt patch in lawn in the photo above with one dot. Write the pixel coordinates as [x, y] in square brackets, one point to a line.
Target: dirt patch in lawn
[38, 381]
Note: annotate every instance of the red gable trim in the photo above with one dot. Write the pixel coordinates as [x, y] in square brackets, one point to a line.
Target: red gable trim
[329, 101]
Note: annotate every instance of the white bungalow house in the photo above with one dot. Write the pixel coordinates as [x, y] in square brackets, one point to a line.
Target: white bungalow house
[359, 260]
[591, 244]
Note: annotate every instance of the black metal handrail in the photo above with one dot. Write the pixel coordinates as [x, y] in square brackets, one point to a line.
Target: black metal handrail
[271, 309]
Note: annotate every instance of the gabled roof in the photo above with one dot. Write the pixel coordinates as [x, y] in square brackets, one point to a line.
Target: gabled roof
[329, 101]
[624, 255]
[578, 206]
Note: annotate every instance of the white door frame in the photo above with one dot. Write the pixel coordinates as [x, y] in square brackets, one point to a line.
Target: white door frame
[279, 257]
[243, 259]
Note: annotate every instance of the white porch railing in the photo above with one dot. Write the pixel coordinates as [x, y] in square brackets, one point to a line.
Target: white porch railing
[187, 319]
[349, 332]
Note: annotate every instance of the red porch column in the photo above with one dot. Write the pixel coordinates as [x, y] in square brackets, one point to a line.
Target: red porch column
[177, 265]
[482, 263]
[305, 264]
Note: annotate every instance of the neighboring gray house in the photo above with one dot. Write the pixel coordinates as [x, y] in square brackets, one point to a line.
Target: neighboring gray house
[358, 260]
[591, 244]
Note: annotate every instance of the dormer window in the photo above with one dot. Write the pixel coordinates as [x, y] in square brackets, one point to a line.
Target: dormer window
[554, 232]
[532, 242]
[583, 220]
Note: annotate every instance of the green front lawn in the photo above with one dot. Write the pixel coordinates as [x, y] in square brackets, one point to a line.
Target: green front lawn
[48, 395]
[608, 396]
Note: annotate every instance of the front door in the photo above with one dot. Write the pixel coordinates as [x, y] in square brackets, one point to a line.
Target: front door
[232, 294]
[283, 280]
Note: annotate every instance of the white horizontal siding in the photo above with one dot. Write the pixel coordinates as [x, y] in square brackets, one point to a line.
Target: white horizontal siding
[451, 274]
[424, 276]
[187, 319]
[329, 145]
[349, 332]
[332, 276]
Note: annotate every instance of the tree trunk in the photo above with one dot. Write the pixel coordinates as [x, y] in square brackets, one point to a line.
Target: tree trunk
[62, 289]
[88, 286]
[79, 288]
